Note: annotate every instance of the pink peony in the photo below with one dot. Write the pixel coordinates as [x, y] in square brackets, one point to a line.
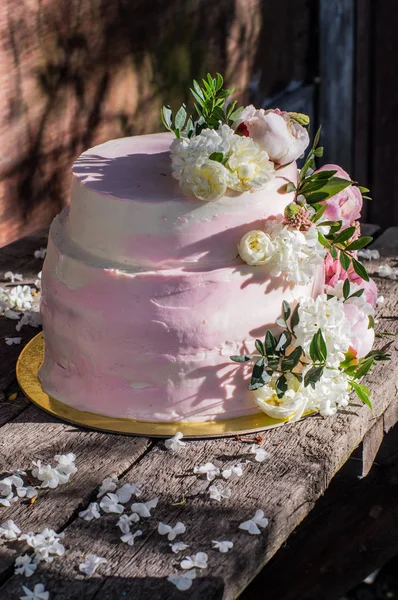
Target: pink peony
[334, 272]
[362, 337]
[274, 131]
[347, 204]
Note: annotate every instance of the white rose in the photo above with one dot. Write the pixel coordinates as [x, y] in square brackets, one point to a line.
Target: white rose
[256, 248]
[206, 179]
[275, 132]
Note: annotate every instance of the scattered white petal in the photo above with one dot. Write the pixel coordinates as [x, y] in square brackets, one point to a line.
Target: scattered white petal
[10, 314]
[109, 484]
[46, 544]
[110, 504]
[387, 271]
[222, 546]
[259, 453]
[174, 443]
[233, 472]
[210, 470]
[126, 491]
[252, 526]
[198, 560]
[183, 581]
[92, 512]
[171, 532]
[9, 530]
[178, 547]
[129, 538]
[41, 253]
[92, 563]
[125, 521]
[26, 492]
[38, 593]
[143, 509]
[47, 474]
[13, 276]
[13, 340]
[38, 281]
[380, 300]
[66, 464]
[369, 254]
[24, 565]
[217, 493]
[30, 317]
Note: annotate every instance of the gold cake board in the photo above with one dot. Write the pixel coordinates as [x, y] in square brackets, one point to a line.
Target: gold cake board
[29, 363]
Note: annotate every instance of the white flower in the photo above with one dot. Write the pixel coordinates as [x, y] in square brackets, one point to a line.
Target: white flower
[13, 276]
[275, 132]
[126, 491]
[380, 300]
[143, 509]
[360, 302]
[174, 443]
[110, 504]
[92, 563]
[13, 340]
[330, 393]
[38, 281]
[38, 593]
[129, 538]
[24, 565]
[26, 492]
[30, 317]
[249, 166]
[233, 472]
[125, 521]
[198, 560]
[259, 453]
[256, 248]
[10, 314]
[8, 499]
[41, 253]
[218, 494]
[222, 546]
[109, 484]
[183, 581]
[369, 254]
[387, 271]
[19, 297]
[9, 530]
[210, 470]
[48, 475]
[46, 544]
[178, 547]
[206, 179]
[92, 512]
[252, 526]
[171, 532]
[66, 464]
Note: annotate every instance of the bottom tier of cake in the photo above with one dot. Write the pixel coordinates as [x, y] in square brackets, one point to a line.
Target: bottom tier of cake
[153, 345]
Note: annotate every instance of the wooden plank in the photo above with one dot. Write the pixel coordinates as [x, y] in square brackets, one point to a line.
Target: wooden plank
[336, 63]
[371, 444]
[390, 416]
[351, 532]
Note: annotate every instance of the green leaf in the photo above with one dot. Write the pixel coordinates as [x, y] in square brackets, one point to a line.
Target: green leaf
[357, 294]
[316, 197]
[318, 152]
[217, 156]
[318, 350]
[286, 310]
[362, 392]
[360, 243]
[259, 347]
[198, 99]
[363, 190]
[166, 116]
[292, 360]
[180, 118]
[281, 386]
[313, 376]
[281, 322]
[241, 358]
[219, 82]
[270, 343]
[333, 252]
[258, 368]
[360, 270]
[346, 288]
[198, 89]
[235, 115]
[372, 323]
[321, 175]
[345, 235]
[364, 367]
[319, 213]
[316, 138]
[345, 261]
[322, 240]
[284, 341]
[295, 317]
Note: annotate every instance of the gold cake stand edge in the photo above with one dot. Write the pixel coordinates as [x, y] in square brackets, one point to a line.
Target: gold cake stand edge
[30, 361]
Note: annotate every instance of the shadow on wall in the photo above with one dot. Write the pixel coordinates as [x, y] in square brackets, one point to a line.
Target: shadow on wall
[82, 72]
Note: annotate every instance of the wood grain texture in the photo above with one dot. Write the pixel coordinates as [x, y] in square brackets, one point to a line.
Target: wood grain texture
[304, 458]
[391, 416]
[370, 445]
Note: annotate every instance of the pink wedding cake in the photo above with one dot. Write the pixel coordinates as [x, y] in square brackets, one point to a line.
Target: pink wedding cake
[176, 253]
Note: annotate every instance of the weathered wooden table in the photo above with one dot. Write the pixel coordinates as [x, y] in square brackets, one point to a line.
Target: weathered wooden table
[304, 459]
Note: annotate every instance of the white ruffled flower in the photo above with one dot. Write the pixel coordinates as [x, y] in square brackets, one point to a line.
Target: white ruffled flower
[233, 472]
[206, 179]
[360, 302]
[129, 538]
[19, 297]
[41, 253]
[13, 276]
[9, 530]
[329, 316]
[13, 340]
[92, 512]
[256, 248]
[178, 547]
[223, 547]
[171, 532]
[109, 484]
[210, 470]
[110, 504]
[249, 166]
[143, 509]
[259, 453]
[174, 443]
[127, 490]
[24, 565]
[183, 581]
[218, 494]
[198, 560]
[92, 563]
[38, 593]
[253, 525]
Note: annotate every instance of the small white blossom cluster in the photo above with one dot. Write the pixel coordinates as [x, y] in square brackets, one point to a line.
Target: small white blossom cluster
[369, 254]
[46, 545]
[285, 250]
[52, 477]
[18, 297]
[10, 276]
[244, 166]
[12, 488]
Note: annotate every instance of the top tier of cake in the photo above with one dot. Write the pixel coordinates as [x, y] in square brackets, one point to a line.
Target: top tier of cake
[127, 210]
